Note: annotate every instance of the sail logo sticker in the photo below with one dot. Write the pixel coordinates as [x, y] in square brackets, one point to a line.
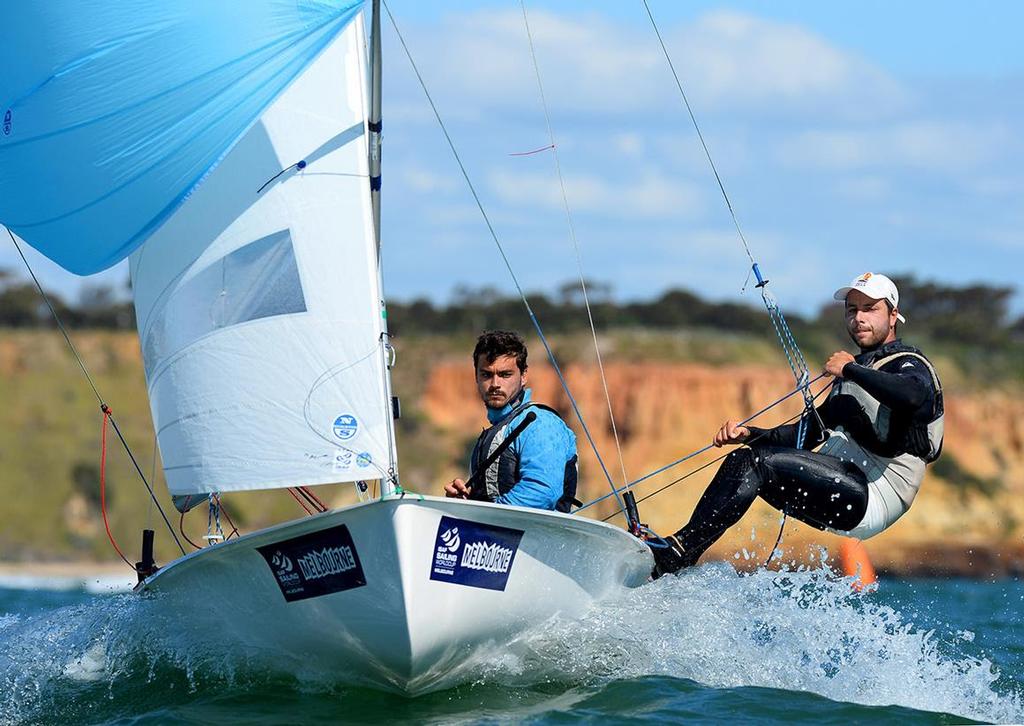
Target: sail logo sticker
[342, 460]
[346, 426]
[474, 554]
[364, 460]
[315, 564]
[8, 123]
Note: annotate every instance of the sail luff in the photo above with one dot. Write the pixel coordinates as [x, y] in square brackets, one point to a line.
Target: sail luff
[390, 483]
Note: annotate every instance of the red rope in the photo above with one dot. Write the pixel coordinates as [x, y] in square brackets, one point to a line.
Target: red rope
[181, 528]
[535, 151]
[103, 484]
[312, 498]
[301, 503]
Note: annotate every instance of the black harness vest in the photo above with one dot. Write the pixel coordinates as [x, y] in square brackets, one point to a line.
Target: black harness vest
[881, 430]
[503, 474]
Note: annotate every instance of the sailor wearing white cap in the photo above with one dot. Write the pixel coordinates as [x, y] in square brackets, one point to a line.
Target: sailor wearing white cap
[875, 287]
[881, 423]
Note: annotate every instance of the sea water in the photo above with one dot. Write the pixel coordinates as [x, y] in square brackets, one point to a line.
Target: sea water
[709, 645]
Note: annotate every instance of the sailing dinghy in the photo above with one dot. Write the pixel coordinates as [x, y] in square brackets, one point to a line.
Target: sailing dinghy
[232, 154]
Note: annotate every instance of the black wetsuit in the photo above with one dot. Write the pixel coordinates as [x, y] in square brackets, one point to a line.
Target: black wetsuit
[820, 490]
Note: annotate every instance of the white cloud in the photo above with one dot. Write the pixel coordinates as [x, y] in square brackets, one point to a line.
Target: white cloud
[628, 196]
[740, 58]
[930, 145]
[589, 63]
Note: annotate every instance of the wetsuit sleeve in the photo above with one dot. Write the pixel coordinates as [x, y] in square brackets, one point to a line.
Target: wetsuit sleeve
[785, 435]
[902, 389]
[543, 451]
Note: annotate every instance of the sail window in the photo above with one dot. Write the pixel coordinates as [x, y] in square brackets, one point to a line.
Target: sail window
[258, 280]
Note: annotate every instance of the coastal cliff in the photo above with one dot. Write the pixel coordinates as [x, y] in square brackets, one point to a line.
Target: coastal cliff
[968, 519]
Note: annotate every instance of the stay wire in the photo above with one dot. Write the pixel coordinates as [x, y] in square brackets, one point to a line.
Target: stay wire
[707, 448]
[696, 126]
[575, 244]
[773, 310]
[704, 466]
[92, 385]
[504, 257]
[56, 317]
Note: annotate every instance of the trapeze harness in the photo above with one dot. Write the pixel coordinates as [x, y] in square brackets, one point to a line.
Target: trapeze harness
[864, 477]
[504, 473]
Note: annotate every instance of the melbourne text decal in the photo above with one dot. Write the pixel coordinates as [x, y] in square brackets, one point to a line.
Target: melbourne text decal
[315, 564]
[474, 554]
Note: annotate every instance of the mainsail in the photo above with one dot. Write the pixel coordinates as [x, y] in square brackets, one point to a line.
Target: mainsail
[247, 216]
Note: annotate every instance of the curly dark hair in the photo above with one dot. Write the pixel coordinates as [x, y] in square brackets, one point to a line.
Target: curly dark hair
[493, 344]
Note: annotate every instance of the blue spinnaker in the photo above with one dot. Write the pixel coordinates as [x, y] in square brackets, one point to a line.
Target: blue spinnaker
[112, 113]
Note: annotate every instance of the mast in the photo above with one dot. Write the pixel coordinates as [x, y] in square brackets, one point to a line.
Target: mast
[390, 483]
[374, 120]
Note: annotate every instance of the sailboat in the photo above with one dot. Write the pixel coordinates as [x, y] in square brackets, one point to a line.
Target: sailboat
[232, 154]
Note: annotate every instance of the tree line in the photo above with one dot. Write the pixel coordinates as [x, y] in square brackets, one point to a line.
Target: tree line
[971, 315]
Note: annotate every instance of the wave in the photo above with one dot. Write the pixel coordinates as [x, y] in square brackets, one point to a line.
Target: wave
[802, 632]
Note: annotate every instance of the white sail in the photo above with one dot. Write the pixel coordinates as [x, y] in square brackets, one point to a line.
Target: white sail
[259, 304]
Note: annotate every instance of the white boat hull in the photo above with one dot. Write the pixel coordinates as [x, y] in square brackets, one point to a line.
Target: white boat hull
[400, 593]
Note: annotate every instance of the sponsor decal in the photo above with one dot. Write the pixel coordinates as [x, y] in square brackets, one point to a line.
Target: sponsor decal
[474, 554]
[346, 426]
[8, 123]
[364, 460]
[315, 564]
[343, 459]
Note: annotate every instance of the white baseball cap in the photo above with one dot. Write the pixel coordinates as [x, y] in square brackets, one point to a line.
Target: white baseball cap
[876, 287]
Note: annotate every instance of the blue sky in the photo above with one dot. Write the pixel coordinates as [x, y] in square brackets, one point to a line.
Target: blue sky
[861, 136]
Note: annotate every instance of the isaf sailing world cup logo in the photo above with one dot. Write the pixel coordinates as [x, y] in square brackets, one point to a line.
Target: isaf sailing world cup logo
[315, 564]
[282, 562]
[451, 540]
[473, 553]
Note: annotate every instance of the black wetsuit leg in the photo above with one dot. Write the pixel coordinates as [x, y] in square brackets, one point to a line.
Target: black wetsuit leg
[821, 490]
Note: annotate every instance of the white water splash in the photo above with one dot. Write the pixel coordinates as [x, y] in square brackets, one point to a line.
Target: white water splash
[801, 630]
[798, 631]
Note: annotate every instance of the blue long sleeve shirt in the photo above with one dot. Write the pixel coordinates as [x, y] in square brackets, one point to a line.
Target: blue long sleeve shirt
[544, 448]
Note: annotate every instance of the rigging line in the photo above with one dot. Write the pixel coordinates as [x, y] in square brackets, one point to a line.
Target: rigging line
[53, 312]
[92, 384]
[138, 469]
[301, 503]
[698, 452]
[504, 257]
[575, 245]
[702, 467]
[693, 118]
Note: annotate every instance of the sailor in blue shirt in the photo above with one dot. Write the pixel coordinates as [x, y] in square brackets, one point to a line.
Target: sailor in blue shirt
[538, 470]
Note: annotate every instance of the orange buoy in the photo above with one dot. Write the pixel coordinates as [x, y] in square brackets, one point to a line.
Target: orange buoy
[853, 558]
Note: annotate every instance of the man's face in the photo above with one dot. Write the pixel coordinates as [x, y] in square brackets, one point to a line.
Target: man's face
[868, 321]
[499, 382]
